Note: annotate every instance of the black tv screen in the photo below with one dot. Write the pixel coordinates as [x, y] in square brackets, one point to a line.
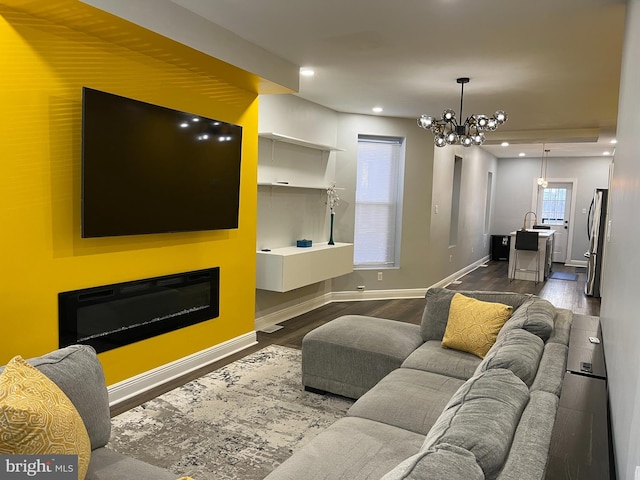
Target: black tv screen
[150, 169]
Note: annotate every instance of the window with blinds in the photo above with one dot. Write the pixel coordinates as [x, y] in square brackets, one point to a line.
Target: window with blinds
[553, 206]
[378, 201]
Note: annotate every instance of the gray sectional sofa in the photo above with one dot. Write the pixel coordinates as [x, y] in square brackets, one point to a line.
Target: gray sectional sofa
[427, 412]
[77, 371]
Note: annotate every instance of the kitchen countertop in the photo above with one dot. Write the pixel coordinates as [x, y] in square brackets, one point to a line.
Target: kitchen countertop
[541, 233]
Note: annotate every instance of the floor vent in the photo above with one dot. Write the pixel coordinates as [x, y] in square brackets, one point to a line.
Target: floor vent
[271, 329]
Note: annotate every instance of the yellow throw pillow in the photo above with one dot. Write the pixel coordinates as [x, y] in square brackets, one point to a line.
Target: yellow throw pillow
[37, 418]
[473, 325]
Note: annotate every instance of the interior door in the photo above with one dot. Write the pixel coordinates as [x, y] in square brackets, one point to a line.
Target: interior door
[554, 207]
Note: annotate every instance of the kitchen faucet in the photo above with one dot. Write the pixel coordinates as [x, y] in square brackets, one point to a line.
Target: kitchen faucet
[524, 223]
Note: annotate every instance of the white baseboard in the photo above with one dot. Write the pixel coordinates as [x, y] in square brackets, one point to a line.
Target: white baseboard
[121, 391]
[577, 263]
[461, 273]
[355, 296]
[292, 311]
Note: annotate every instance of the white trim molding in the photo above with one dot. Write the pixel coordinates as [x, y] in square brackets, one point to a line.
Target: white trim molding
[577, 263]
[291, 311]
[461, 273]
[362, 295]
[121, 391]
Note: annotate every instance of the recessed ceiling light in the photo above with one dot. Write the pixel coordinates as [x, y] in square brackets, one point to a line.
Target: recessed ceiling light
[307, 72]
[606, 153]
[614, 141]
[521, 154]
[505, 144]
[377, 109]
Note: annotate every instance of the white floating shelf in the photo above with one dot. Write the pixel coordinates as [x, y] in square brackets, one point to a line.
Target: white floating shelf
[290, 185]
[283, 269]
[298, 141]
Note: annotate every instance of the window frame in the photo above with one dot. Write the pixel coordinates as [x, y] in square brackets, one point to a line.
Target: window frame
[393, 259]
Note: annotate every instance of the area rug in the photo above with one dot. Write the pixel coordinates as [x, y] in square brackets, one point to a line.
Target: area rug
[572, 277]
[239, 422]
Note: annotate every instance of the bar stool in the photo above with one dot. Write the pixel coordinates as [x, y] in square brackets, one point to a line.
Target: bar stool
[527, 241]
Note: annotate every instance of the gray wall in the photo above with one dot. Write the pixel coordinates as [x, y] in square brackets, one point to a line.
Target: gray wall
[619, 311]
[515, 193]
[414, 262]
[473, 242]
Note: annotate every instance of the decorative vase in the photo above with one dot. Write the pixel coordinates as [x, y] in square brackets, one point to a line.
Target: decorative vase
[331, 231]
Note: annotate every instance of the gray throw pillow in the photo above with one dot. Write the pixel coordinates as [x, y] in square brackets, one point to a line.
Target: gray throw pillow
[482, 417]
[444, 461]
[78, 372]
[536, 315]
[518, 351]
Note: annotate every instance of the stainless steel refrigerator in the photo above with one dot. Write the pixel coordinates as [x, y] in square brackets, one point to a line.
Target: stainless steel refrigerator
[596, 228]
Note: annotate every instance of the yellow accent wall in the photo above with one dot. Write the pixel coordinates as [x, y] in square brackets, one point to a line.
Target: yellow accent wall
[50, 49]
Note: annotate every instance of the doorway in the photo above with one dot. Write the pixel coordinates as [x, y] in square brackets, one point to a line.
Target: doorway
[554, 207]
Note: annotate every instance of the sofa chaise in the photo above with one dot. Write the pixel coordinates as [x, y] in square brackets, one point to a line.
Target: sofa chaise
[428, 412]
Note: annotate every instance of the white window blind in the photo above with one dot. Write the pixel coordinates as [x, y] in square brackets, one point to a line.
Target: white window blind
[378, 187]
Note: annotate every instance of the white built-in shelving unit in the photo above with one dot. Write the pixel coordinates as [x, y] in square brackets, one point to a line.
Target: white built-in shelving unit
[293, 176]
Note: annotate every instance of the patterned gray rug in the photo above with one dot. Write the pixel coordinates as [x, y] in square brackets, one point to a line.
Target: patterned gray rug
[239, 422]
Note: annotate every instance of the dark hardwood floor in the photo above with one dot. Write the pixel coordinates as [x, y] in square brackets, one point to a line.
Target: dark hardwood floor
[562, 293]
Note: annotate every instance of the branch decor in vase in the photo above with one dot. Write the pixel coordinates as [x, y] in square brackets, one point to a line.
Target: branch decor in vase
[332, 201]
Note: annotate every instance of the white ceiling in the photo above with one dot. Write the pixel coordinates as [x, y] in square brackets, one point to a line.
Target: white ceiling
[553, 65]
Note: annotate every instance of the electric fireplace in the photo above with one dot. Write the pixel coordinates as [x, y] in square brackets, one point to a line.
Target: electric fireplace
[111, 316]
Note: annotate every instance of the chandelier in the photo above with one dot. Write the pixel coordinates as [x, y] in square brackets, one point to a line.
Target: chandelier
[447, 130]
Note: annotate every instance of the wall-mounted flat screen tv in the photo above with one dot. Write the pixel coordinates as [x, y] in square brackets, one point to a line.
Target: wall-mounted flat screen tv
[150, 169]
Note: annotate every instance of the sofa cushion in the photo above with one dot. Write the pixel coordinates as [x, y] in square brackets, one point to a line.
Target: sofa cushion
[107, 464]
[527, 459]
[443, 462]
[561, 326]
[482, 417]
[438, 301]
[350, 448]
[536, 315]
[431, 357]
[78, 373]
[551, 370]
[518, 351]
[473, 325]
[423, 396]
[37, 418]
